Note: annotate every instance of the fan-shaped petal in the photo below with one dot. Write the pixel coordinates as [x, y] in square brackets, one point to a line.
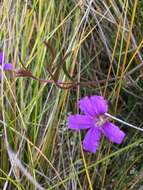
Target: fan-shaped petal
[91, 140]
[113, 133]
[94, 105]
[77, 122]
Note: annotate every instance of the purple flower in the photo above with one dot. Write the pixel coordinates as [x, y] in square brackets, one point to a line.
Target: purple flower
[7, 66]
[95, 119]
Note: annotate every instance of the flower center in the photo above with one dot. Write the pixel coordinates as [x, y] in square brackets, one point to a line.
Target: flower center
[100, 120]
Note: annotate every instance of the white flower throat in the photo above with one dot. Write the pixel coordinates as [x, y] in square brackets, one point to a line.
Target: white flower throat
[101, 120]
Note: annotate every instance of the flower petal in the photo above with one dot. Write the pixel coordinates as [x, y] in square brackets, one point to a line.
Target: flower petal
[8, 66]
[100, 104]
[91, 140]
[113, 133]
[2, 57]
[94, 105]
[77, 122]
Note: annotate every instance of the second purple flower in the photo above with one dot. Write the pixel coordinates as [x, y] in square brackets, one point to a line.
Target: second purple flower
[94, 119]
[6, 66]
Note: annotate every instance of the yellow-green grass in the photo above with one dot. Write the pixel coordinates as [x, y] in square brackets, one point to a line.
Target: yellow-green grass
[69, 41]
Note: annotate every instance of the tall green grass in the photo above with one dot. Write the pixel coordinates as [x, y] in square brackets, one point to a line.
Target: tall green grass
[97, 47]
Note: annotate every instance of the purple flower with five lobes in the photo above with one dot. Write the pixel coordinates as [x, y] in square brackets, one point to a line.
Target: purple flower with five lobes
[95, 119]
[6, 66]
